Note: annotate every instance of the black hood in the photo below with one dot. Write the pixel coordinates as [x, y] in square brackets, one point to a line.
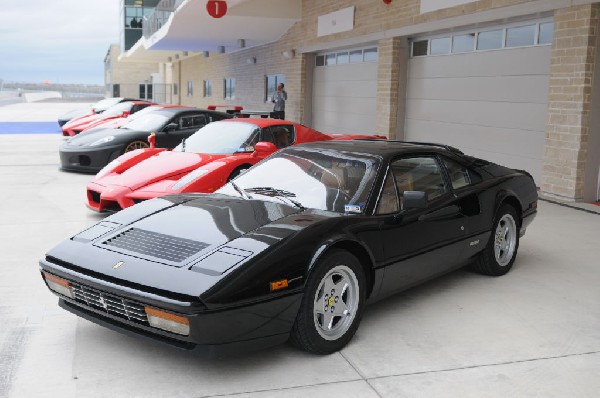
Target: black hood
[88, 137]
[159, 240]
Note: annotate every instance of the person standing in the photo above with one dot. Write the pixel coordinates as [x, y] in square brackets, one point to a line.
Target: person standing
[279, 97]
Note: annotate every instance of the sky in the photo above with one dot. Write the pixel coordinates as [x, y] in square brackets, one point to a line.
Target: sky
[60, 41]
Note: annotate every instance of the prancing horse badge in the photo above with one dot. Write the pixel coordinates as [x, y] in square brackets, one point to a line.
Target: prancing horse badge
[117, 265]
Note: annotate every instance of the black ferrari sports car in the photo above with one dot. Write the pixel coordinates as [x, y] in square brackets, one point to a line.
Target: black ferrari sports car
[295, 247]
[89, 152]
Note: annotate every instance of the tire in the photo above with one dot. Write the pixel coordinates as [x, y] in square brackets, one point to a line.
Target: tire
[237, 172]
[316, 330]
[137, 144]
[501, 250]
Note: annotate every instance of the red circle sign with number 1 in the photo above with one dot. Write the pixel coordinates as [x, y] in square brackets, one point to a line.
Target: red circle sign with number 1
[216, 8]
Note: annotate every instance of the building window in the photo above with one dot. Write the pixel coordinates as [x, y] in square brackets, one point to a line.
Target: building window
[439, 46]
[207, 88]
[512, 36]
[175, 89]
[546, 33]
[419, 48]
[345, 57]
[463, 43]
[370, 55]
[271, 82]
[490, 40]
[116, 90]
[356, 56]
[142, 91]
[190, 92]
[229, 85]
[520, 36]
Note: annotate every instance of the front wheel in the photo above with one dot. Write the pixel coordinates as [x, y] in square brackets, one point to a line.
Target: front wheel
[501, 251]
[137, 144]
[332, 304]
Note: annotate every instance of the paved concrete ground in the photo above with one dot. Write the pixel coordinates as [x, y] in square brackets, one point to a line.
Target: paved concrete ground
[532, 333]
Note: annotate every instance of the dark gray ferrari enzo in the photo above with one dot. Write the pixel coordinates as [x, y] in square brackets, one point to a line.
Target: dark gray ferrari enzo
[294, 248]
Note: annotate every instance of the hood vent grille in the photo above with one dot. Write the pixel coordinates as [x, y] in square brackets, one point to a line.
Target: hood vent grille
[165, 247]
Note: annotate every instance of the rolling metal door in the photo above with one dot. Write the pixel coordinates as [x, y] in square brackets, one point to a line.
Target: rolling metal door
[490, 104]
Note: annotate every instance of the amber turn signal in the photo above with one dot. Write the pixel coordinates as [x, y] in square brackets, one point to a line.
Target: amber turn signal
[278, 285]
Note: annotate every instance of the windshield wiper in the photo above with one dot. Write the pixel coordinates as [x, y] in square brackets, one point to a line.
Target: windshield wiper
[277, 193]
[239, 190]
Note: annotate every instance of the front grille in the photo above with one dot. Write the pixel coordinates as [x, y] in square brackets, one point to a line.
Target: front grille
[110, 304]
[157, 245]
[95, 196]
[84, 160]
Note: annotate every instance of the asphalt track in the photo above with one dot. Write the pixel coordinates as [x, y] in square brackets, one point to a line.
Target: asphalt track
[534, 332]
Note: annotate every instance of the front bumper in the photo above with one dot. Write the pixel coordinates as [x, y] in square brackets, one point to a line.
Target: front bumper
[214, 332]
[87, 159]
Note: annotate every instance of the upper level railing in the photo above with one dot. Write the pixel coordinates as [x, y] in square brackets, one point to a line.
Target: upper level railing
[155, 21]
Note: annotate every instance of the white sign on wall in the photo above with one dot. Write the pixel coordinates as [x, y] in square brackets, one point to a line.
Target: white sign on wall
[335, 22]
[432, 5]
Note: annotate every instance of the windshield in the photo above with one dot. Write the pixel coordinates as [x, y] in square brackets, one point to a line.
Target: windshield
[315, 178]
[104, 104]
[222, 138]
[118, 109]
[153, 121]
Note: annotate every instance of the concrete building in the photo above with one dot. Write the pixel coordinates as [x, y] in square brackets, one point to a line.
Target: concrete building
[512, 81]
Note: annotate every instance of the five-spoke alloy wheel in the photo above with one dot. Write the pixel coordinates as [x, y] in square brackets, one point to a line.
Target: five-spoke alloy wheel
[332, 304]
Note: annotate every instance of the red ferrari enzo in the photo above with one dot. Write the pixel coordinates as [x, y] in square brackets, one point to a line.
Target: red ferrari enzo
[120, 110]
[204, 162]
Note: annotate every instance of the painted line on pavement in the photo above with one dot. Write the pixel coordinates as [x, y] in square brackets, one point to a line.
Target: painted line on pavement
[29, 128]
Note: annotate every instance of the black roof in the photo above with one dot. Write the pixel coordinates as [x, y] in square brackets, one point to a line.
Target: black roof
[383, 148]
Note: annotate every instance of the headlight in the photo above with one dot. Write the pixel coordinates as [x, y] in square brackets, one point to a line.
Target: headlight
[103, 140]
[183, 181]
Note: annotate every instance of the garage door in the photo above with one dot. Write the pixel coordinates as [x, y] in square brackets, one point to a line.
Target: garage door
[490, 104]
[344, 96]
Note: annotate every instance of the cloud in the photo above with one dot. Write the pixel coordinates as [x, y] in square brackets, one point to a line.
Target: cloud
[64, 40]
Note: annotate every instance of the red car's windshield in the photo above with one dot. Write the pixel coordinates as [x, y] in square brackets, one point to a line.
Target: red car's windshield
[221, 138]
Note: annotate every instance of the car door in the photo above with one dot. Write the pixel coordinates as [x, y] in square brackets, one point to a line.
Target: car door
[418, 244]
[187, 124]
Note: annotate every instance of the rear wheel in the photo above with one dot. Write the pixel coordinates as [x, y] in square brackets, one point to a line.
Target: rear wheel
[332, 304]
[501, 251]
[137, 144]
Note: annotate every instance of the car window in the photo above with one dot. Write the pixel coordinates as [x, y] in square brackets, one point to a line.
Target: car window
[198, 121]
[460, 176]
[419, 174]
[388, 201]
[282, 136]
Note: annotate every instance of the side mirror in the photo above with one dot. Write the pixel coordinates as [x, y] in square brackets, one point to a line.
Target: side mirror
[414, 200]
[264, 149]
[125, 114]
[171, 127]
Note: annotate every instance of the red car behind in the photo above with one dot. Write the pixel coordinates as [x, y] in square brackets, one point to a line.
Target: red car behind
[204, 162]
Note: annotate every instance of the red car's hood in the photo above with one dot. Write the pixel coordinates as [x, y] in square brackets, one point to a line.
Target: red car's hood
[113, 122]
[83, 121]
[156, 168]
